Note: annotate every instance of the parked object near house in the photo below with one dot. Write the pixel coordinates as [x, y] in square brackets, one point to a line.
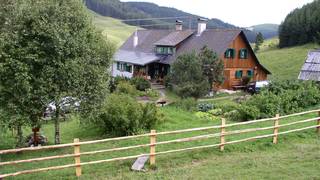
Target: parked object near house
[311, 68]
[255, 87]
[67, 104]
[149, 53]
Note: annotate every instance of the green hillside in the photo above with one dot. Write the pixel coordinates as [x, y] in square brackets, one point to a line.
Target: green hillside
[283, 63]
[113, 29]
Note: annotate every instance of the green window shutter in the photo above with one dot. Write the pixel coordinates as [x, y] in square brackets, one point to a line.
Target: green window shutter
[128, 68]
[250, 73]
[239, 74]
[225, 54]
[233, 53]
[118, 66]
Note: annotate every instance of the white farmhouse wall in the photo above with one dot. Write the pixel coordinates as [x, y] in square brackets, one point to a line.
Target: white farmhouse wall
[116, 72]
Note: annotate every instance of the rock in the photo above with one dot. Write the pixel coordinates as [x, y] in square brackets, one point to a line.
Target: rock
[139, 163]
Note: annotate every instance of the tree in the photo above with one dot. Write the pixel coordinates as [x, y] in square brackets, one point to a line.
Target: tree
[258, 42]
[50, 49]
[187, 76]
[212, 66]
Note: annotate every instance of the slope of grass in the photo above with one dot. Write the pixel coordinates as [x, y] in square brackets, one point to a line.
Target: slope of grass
[113, 29]
[284, 64]
[295, 156]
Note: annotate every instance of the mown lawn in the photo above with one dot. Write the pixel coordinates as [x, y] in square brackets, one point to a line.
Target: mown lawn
[295, 157]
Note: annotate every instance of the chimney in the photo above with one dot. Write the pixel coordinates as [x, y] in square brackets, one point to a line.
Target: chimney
[202, 25]
[135, 39]
[178, 25]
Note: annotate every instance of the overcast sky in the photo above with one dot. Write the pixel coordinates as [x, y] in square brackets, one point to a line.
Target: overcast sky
[242, 13]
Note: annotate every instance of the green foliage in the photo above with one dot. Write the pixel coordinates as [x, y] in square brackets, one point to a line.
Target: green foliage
[212, 66]
[187, 76]
[140, 83]
[258, 42]
[216, 112]
[283, 97]
[50, 49]
[187, 104]
[122, 115]
[125, 87]
[206, 116]
[205, 107]
[301, 26]
[151, 93]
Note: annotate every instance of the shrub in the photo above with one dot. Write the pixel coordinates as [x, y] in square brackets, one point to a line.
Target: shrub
[140, 83]
[215, 112]
[205, 107]
[151, 93]
[125, 87]
[113, 83]
[122, 115]
[233, 115]
[187, 104]
[206, 116]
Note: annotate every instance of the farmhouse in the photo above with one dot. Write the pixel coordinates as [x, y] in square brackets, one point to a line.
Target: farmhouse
[311, 68]
[149, 53]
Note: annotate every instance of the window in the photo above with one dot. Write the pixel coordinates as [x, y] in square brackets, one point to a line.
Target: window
[238, 74]
[243, 53]
[250, 73]
[124, 67]
[165, 50]
[229, 53]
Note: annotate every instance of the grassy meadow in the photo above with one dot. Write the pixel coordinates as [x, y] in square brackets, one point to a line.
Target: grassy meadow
[112, 29]
[284, 64]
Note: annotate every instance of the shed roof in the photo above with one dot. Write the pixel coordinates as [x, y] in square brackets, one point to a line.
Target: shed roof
[311, 68]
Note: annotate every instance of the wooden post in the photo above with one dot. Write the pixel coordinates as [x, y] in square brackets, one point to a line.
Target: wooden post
[223, 130]
[318, 128]
[152, 147]
[276, 129]
[77, 158]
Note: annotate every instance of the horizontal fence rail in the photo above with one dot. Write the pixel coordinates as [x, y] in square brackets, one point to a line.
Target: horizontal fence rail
[153, 143]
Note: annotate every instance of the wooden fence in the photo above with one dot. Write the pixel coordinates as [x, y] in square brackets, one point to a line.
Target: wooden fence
[153, 143]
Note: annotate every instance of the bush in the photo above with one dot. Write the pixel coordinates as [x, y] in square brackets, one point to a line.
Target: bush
[151, 93]
[205, 107]
[205, 116]
[125, 87]
[122, 115]
[113, 83]
[216, 112]
[284, 97]
[140, 83]
[188, 104]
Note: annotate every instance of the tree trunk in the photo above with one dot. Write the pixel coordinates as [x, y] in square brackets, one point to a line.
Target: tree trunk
[19, 136]
[57, 125]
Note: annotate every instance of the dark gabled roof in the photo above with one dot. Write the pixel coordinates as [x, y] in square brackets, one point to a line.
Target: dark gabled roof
[146, 40]
[174, 38]
[311, 68]
[188, 40]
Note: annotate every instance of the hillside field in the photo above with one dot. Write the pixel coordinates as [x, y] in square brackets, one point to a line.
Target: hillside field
[112, 29]
[285, 63]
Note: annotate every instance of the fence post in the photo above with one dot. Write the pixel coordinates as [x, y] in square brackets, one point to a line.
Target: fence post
[276, 129]
[318, 128]
[152, 147]
[223, 130]
[77, 158]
